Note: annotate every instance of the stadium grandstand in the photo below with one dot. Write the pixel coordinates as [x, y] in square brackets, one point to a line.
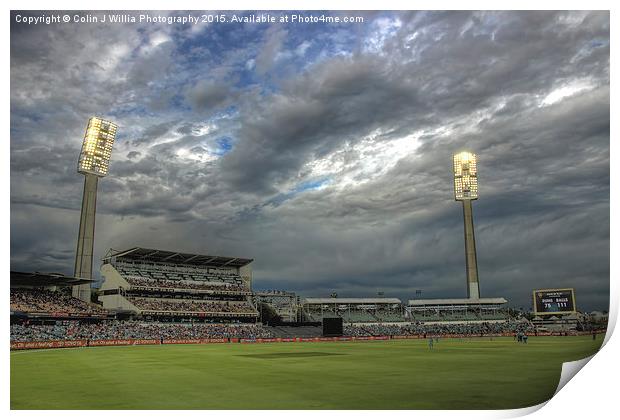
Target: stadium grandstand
[354, 310]
[457, 310]
[48, 296]
[150, 296]
[152, 284]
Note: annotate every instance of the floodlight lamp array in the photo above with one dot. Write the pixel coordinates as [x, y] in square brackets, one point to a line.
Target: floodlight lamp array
[465, 176]
[97, 147]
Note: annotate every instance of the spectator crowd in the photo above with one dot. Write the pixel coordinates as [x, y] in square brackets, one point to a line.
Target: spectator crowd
[438, 329]
[117, 330]
[42, 300]
[180, 284]
[185, 305]
[121, 330]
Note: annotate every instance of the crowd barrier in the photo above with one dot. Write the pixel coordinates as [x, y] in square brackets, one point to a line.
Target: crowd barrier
[195, 341]
[29, 345]
[128, 342]
[26, 345]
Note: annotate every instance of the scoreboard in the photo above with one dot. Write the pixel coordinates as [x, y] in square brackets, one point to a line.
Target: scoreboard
[332, 327]
[554, 301]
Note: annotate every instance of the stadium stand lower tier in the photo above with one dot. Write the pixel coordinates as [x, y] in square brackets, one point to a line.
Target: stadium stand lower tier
[455, 329]
[120, 330]
[114, 330]
[48, 301]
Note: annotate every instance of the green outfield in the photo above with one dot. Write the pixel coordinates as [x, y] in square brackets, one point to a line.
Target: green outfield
[399, 374]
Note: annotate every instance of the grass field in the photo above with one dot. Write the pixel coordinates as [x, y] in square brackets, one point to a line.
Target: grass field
[403, 374]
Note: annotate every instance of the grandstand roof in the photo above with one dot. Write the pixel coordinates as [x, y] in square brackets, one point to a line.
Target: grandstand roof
[480, 301]
[21, 279]
[157, 255]
[318, 301]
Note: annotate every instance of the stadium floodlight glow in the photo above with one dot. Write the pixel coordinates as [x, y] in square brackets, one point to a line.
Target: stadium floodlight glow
[466, 190]
[465, 176]
[97, 147]
[94, 163]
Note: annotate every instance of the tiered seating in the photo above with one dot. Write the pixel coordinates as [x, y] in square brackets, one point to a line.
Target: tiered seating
[177, 277]
[191, 306]
[171, 290]
[184, 284]
[47, 301]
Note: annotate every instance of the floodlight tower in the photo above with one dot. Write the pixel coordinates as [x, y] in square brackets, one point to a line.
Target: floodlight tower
[466, 190]
[93, 164]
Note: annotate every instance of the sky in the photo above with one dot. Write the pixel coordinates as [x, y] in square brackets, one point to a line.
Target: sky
[323, 150]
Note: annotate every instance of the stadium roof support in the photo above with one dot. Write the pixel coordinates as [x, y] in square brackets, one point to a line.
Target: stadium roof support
[159, 256]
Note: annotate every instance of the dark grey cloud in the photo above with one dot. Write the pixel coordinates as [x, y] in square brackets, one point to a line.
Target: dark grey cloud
[337, 102]
[154, 132]
[209, 95]
[274, 38]
[335, 174]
